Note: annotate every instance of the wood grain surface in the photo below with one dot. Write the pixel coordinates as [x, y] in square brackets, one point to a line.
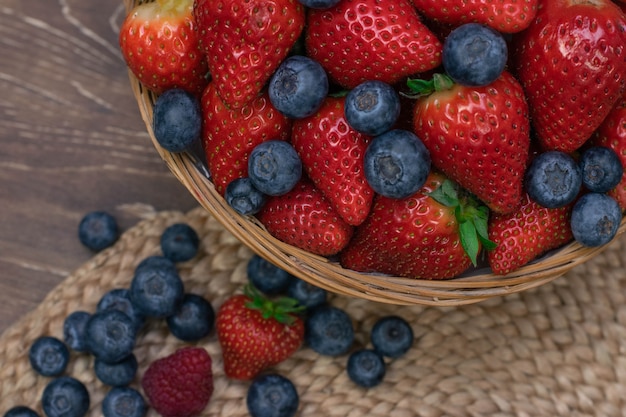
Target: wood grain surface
[72, 141]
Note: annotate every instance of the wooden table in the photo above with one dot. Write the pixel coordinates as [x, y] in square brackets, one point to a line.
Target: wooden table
[72, 141]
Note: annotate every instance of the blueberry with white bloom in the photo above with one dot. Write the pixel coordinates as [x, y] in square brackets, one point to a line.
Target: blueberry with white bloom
[372, 107]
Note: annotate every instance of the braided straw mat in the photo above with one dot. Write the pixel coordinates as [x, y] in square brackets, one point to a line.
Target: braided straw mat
[556, 350]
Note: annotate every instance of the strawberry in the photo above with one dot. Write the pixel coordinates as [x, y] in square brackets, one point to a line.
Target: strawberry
[359, 40]
[180, 384]
[437, 233]
[256, 333]
[305, 219]
[332, 156]
[571, 62]
[507, 16]
[245, 41]
[230, 135]
[160, 45]
[612, 134]
[478, 136]
[525, 234]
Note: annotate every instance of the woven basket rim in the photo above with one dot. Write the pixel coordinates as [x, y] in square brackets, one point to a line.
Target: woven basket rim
[468, 288]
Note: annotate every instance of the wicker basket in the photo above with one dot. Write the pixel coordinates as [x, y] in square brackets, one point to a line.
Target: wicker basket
[469, 288]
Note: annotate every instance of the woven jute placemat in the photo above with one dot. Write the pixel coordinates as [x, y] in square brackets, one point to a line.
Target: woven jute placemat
[557, 350]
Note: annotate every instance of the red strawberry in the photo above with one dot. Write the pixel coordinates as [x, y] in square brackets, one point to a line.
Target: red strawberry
[332, 156]
[160, 45]
[612, 134]
[256, 333]
[508, 16]
[181, 384]
[359, 40]
[572, 64]
[230, 135]
[245, 41]
[305, 219]
[419, 236]
[525, 234]
[478, 136]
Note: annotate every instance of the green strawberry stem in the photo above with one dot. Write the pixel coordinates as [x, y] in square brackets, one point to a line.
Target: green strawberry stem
[421, 88]
[282, 309]
[471, 215]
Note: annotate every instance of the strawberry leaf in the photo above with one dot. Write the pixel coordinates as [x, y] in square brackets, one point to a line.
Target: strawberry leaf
[282, 310]
[471, 215]
[420, 88]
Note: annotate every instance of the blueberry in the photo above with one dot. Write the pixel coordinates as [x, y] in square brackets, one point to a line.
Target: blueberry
[74, 327]
[601, 169]
[179, 242]
[272, 395]
[274, 167]
[267, 277]
[298, 87]
[319, 4]
[372, 107]
[116, 374]
[595, 219]
[392, 336]
[156, 292]
[474, 54]
[329, 330]
[21, 411]
[396, 163]
[553, 179]
[193, 320]
[123, 402]
[98, 230]
[244, 197]
[110, 335]
[177, 120]
[366, 367]
[65, 397]
[48, 356]
[119, 299]
[156, 262]
[306, 294]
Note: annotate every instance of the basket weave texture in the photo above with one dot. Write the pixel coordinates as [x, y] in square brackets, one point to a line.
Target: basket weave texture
[469, 288]
[557, 350]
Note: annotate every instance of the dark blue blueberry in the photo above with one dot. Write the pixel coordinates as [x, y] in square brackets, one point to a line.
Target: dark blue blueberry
[396, 163]
[110, 335]
[595, 219]
[366, 367]
[74, 327]
[116, 374]
[306, 294]
[319, 4]
[98, 230]
[392, 336]
[177, 120]
[328, 330]
[244, 197]
[601, 168]
[193, 320]
[298, 87]
[21, 411]
[267, 277]
[156, 292]
[119, 299]
[123, 402]
[48, 356]
[65, 397]
[553, 179]
[272, 395]
[274, 167]
[156, 262]
[372, 107]
[179, 242]
[474, 54]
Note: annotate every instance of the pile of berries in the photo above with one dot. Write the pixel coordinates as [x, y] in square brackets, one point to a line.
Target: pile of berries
[321, 118]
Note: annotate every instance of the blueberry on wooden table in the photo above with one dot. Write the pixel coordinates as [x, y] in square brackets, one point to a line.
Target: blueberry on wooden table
[98, 230]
